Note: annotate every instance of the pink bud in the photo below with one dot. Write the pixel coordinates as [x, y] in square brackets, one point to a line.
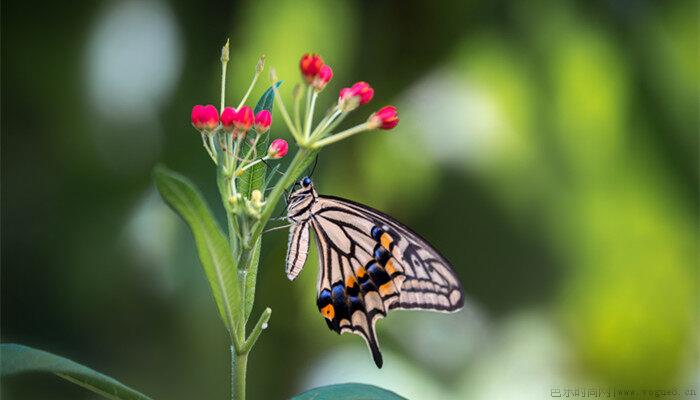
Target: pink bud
[228, 118]
[263, 121]
[360, 93]
[364, 91]
[323, 77]
[278, 148]
[205, 118]
[244, 118]
[310, 64]
[345, 93]
[385, 118]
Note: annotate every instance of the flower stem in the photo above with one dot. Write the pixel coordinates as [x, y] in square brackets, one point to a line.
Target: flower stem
[340, 136]
[297, 118]
[325, 124]
[259, 160]
[224, 63]
[310, 115]
[250, 89]
[285, 115]
[240, 365]
[210, 150]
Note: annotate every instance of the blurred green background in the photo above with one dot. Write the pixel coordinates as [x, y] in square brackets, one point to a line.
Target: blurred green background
[549, 149]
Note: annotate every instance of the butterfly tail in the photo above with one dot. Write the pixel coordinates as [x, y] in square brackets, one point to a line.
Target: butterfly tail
[373, 345]
[376, 355]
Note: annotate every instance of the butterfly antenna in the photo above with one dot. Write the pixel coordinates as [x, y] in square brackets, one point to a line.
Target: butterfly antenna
[314, 167]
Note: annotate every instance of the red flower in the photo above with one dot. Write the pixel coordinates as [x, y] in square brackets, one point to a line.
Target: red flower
[205, 118]
[385, 118]
[323, 77]
[278, 148]
[263, 121]
[310, 65]
[228, 118]
[244, 119]
[350, 98]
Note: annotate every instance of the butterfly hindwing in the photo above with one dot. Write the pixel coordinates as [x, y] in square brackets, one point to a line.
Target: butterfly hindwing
[340, 298]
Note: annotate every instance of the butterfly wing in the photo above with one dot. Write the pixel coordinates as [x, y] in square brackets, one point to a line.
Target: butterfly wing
[370, 264]
[297, 248]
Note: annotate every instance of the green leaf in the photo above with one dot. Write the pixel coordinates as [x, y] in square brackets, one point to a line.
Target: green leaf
[254, 177]
[250, 279]
[348, 391]
[17, 359]
[213, 249]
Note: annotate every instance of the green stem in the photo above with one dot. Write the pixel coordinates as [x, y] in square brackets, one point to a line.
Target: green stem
[340, 136]
[259, 327]
[224, 63]
[310, 115]
[252, 148]
[241, 367]
[328, 123]
[236, 150]
[297, 118]
[250, 89]
[205, 143]
[251, 164]
[285, 115]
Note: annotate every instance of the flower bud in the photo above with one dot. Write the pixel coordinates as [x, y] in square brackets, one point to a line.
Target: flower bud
[263, 121]
[256, 197]
[322, 78]
[228, 118]
[225, 52]
[385, 118]
[260, 65]
[205, 118]
[244, 119]
[350, 98]
[278, 148]
[310, 65]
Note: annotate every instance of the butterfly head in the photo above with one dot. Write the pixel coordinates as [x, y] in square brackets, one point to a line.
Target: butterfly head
[300, 199]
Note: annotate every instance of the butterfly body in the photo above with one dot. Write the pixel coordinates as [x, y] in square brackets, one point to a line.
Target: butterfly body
[369, 264]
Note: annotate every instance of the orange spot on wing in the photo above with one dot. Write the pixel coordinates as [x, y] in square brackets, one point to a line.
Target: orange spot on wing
[350, 282]
[386, 288]
[386, 240]
[389, 267]
[328, 311]
[360, 272]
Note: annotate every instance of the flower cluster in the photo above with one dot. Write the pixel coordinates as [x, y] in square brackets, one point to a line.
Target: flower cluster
[231, 134]
[207, 121]
[316, 74]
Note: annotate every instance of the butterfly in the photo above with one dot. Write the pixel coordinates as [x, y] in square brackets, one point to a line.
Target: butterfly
[369, 264]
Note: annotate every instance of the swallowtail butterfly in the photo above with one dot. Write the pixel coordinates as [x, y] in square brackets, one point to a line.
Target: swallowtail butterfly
[369, 264]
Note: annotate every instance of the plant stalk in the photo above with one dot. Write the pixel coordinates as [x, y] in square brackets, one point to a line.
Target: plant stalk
[340, 136]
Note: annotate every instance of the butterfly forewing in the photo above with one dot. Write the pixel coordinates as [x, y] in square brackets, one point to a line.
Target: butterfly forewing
[297, 249]
[369, 264]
